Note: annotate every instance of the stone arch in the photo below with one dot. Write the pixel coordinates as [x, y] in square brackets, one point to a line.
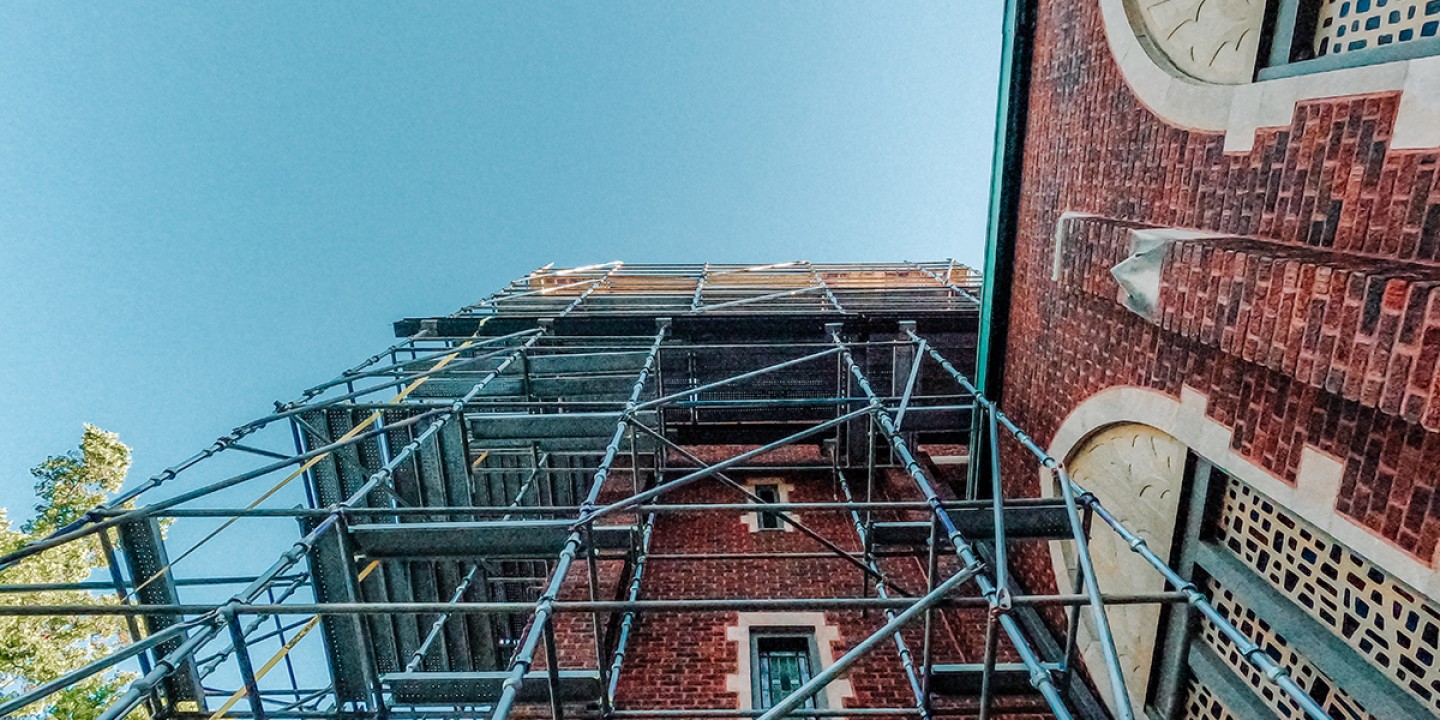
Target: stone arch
[1138, 472]
[1238, 111]
[1311, 497]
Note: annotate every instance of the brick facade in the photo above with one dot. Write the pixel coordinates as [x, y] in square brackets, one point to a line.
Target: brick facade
[1306, 311]
[686, 660]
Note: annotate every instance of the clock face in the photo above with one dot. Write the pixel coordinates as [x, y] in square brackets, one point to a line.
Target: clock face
[1210, 40]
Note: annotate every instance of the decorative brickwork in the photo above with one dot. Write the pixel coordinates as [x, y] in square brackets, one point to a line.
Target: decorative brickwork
[1373, 25]
[1202, 704]
[1317, 685]
[1326, 239]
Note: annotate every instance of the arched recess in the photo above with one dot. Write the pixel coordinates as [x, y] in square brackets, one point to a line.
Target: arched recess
[1102, 418]
[1138, 473]
[1311, 497]
[1239, 110]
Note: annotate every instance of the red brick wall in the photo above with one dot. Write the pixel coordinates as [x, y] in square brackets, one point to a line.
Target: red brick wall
[681, 660]
[1312, 318]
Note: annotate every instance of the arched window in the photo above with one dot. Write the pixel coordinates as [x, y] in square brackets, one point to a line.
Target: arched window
[1233, 42]
[1318, 35]
[1235, 66]
[1364, 644]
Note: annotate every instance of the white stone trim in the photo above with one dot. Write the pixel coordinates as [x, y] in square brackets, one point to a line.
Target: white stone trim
[836, 693]
[1139, 274]
[1062, 234]
[751, 520]
[1138, 472]
[1312, 498]
[1237, 111]
[950, 459]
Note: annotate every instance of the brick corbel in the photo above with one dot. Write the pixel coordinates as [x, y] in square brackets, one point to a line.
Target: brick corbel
[1362, 329]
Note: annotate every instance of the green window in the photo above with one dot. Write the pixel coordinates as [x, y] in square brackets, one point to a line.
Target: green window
[782, 661]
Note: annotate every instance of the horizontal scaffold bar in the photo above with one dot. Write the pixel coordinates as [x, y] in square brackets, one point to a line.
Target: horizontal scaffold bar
[586, 606]
[554, 509]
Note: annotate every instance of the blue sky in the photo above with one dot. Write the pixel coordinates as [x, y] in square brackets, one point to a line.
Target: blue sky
[207, 207]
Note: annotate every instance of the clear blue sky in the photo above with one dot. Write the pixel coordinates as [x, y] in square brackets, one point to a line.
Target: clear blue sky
[206, 207]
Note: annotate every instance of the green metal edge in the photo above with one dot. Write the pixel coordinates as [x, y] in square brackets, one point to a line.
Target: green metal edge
[1017, 36]
[1005, 171]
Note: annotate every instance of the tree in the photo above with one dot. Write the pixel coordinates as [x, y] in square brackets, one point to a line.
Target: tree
[35, 650]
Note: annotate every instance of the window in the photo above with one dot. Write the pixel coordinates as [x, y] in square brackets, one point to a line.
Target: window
[1234, 42]
[769, 493]
[781, 661]
[783, 670]
[1316, 35]
[768, 490]
[1359, 642]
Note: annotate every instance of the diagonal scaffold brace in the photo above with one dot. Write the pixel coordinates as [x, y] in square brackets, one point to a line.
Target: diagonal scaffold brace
[999, 601]
[1075, 494]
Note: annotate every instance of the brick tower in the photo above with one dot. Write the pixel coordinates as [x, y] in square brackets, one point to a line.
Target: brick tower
[1215, 301]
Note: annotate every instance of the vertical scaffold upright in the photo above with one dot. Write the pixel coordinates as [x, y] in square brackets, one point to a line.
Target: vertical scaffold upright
[540, 505]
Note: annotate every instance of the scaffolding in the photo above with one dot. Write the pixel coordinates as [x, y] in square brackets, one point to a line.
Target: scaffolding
[464, 505]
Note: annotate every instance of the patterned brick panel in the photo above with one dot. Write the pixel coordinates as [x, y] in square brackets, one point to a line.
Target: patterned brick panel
[1366, 331]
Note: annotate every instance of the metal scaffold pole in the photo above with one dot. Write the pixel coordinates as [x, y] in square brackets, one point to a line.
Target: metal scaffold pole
[508, 512]
[999, 601]
[524, 658]
[1076, 495]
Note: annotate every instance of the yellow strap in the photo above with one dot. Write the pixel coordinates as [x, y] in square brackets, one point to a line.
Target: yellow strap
[277, 657]
[367, 422]
[483, 454]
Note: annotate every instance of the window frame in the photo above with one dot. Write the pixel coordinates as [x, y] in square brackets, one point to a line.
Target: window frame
[768, 520]
[802, 632]
[1290, 21]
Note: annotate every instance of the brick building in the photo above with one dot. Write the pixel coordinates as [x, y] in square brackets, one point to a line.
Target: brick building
[1210, 313]
[622, 491]
[636, 491]
[1214, 297]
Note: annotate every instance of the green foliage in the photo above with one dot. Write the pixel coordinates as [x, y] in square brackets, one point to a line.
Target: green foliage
[68, 485]
[35, 650]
